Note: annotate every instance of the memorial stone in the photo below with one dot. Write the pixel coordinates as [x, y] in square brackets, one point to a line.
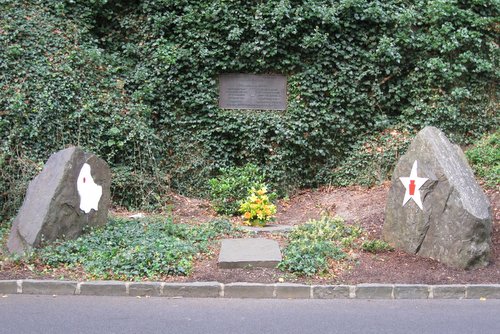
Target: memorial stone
[435, 208]
[252, 91]
[71, 193]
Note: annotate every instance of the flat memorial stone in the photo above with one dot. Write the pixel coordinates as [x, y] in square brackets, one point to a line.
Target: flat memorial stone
[256, 252]
[268, 228]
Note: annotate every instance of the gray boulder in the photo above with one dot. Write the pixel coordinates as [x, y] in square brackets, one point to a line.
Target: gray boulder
[71, 192]
[446, 215]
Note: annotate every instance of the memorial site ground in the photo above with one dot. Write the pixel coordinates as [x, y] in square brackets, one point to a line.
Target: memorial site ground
[357, 205]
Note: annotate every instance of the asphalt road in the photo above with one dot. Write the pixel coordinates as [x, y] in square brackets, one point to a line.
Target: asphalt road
[81, 314]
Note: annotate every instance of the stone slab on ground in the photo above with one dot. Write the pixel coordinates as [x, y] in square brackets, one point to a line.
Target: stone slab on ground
[192, 290]
[478, 291]
[144, 289]
[241, 253]
[55, 287]
[331, 291]
[374, 291]
[268, 228]
[293, 291]
[452, 291]
[103, 288]
[249, 290]
[8, 287]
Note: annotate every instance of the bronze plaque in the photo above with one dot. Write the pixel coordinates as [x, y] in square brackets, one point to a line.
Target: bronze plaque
[252, 91]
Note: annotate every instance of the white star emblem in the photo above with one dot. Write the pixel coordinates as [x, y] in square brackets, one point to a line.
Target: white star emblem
[412, 185]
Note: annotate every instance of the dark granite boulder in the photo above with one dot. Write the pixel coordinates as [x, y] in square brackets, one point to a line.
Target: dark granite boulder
[71, 192]
[435, 208]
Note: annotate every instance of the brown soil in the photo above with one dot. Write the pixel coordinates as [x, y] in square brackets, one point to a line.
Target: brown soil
[356, 205]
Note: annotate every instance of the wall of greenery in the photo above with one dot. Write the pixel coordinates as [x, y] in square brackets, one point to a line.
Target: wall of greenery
[135, 81]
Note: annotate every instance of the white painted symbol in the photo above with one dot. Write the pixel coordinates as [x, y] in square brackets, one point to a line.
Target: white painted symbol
[412, 185]
[90, 193]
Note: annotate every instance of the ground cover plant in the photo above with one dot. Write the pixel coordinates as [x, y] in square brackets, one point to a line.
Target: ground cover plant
[376, 246]
[314, 245]
[131, 249]
[156, 248]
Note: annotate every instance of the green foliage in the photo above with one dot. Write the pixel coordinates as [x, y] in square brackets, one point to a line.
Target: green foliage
[136, 83]
[4, 233]
[57, 89]
[15, 174]
[372, 159]
[354, 68]
[314, 245]
[126, 249]
[232, 186]
[376, 246]
[484, 156]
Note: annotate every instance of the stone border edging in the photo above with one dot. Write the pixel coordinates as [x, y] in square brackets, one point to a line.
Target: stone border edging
[250, 290]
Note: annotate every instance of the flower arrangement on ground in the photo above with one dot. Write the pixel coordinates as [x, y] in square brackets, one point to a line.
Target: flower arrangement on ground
[257, 208]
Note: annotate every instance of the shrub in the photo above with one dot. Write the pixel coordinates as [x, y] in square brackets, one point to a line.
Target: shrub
[315, 245]
[257, 209]
[232, 186]
[484, 157]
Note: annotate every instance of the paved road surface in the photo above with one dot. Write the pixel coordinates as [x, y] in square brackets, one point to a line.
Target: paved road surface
[83, 314]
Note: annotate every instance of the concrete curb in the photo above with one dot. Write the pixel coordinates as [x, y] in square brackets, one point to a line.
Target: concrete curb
[251, 290]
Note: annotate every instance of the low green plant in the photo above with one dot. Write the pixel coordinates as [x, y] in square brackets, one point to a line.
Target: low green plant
[257, 208]
[129, 249]
[4, 233]
[376, 246]
[4, 230]
[313, 246]
[484, 157]
[232, 186]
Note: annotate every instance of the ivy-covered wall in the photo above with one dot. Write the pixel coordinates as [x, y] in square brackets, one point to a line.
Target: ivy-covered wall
[136, 82]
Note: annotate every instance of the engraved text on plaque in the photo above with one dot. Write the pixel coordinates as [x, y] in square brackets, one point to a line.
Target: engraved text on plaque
[251, 91]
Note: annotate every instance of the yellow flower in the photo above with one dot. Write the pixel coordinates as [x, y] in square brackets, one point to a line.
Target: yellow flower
[257, 209]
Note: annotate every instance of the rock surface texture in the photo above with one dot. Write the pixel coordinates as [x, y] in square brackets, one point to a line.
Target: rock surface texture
[252, 252]
[52, 208]
[454, 224]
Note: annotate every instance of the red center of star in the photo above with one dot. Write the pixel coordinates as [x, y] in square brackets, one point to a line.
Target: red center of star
[412, 187]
